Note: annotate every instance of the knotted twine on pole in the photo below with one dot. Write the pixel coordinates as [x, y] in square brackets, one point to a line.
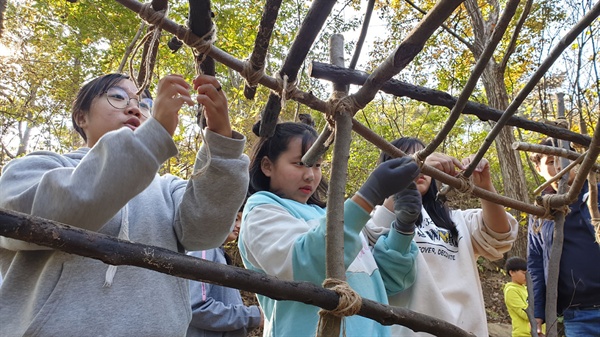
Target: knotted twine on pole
[349, 304]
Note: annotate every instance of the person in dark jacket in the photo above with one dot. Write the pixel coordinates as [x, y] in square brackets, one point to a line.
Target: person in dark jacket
[579, 277]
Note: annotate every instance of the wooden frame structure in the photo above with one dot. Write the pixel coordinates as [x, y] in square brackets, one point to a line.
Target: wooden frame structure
[339, 110]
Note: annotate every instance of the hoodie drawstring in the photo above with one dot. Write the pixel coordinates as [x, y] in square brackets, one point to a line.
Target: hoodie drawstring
[124, 235]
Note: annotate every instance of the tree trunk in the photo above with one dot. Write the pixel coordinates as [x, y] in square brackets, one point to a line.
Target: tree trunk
[513, 175]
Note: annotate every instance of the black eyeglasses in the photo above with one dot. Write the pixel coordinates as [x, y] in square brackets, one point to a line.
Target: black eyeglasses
[119, 99]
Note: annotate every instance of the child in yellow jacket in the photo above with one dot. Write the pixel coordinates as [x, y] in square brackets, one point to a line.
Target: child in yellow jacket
[515, 296]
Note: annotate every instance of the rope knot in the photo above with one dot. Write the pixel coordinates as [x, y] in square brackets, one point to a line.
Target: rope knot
[152, 17]
[201, 46]
[417, 158]
[466, 184]
[252, 72]
[350, 301]
[286, 88]
[337, 104]
[544, 201]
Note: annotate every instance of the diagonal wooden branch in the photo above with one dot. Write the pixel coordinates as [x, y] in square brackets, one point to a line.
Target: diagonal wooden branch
[438, 175]
[405, 52]
[463, 99]
[120, 252]
[559, 175]
[537, 75]
[262, 41]
[306, 36]
[313, 102]
[401, 57]
[309, 29]
[440, 98]
[558, 200]
[551, 151]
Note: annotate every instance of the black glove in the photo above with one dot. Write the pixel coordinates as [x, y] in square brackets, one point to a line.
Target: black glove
[388, 178]
[407, 207]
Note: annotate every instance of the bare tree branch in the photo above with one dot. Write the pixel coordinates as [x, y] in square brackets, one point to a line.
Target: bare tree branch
[513, 40]
[482, 62]
[363, 34]
[444, 26]
[130, 47]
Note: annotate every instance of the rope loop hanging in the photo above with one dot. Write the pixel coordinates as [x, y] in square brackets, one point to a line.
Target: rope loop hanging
[155, 19]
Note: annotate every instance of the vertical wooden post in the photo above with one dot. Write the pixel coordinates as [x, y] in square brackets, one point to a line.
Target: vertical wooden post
[329, 325]
[557, 242]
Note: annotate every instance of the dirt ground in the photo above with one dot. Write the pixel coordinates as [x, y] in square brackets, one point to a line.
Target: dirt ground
[492, 280]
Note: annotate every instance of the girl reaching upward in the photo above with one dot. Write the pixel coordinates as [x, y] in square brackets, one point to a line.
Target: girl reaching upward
[447, 284]
[283, 231]
[111, 186]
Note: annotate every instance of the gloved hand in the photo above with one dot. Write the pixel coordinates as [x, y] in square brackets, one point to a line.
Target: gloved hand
[387, 179]
[407, 207]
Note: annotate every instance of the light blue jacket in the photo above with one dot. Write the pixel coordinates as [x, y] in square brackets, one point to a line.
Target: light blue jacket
[284, 238]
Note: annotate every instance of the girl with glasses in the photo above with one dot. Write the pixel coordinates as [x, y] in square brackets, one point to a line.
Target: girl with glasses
[111, 186]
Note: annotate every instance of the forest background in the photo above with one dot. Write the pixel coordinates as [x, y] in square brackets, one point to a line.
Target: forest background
[49, 48]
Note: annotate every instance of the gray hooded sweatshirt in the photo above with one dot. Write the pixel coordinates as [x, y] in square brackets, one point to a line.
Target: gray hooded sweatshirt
[113, 188]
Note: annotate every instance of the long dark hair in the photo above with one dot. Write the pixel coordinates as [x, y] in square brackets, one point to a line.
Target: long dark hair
[272, 147]
[437, 210]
